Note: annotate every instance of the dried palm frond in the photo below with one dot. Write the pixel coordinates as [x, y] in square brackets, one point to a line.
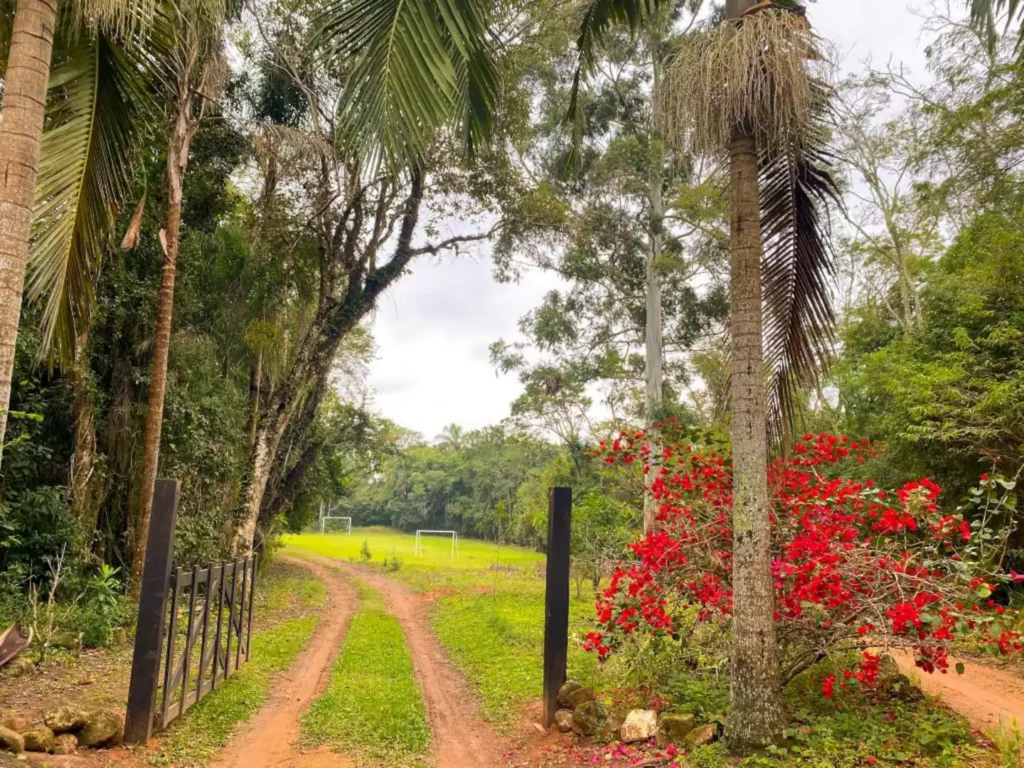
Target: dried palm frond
[753, 74]
[798, 266]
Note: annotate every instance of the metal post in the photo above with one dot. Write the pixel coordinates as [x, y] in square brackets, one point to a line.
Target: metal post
[556, 599]
[149, 635]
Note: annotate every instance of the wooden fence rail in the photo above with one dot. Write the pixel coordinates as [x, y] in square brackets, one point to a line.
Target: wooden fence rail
[194, 628]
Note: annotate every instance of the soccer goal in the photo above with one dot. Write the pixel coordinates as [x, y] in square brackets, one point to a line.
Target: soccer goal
[327, 514]
[421, 534]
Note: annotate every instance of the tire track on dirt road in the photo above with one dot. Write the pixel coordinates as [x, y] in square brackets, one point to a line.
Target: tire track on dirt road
[461, 738]
[270, 739]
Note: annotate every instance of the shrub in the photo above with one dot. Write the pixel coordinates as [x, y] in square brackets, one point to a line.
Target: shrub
[364, 552]
[855, 568]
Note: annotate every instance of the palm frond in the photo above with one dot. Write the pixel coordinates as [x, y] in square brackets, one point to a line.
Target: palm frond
[985, 16]
[100, 94]
[798, 267]
[597, 19]
[412, 67]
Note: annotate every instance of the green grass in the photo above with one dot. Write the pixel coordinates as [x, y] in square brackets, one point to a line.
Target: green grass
[497, 640]
[842, 733]
[491, 622]
[292, 586]
[285, 590]
[488, 612]
[474, 555]
[373, 708]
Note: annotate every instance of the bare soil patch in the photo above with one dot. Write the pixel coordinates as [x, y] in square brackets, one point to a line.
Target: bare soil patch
[982, 694]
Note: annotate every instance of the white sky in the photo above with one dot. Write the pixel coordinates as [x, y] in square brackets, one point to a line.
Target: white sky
[434, 327]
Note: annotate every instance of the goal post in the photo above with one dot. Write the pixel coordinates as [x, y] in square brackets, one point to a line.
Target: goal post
[326, 511]
[346, 520]
[419, 541]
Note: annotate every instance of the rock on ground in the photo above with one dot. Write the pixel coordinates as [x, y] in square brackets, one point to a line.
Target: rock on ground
[572, 695]
[640, 725]
[65, 744]
[699, 736]
[66, 719]
[18, 667]
[563, 720]
[589, 717]
[11, 741]
[12, 721]
[674, 728]
[38, 739]
[104, 729]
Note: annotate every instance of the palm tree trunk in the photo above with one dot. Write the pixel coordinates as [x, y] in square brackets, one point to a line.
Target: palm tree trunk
[177, 161]
[654, 341]
[21, 134]
[755, 715]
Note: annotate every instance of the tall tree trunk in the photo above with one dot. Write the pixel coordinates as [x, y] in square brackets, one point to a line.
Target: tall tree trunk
[654, 341]
[83, 503]
[177, 161]
[313, 359]
[755, 715]
[21, 134]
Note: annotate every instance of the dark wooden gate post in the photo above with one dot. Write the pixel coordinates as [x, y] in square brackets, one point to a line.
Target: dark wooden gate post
[556, 599]
[149, 633]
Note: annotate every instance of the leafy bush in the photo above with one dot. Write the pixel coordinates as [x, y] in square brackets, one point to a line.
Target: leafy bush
[104, 607]
[854, 567]
[35, 524]
[364, 552]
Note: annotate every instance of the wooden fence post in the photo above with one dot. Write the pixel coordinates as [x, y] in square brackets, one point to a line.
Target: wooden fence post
[149, 633]
[556, 599]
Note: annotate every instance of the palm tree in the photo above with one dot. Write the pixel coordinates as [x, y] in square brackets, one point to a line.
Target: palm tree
[451, 437]
[195, 66]
[102, 94]
[70, 182]
[415, 67]
[745, 89]
[26, 82]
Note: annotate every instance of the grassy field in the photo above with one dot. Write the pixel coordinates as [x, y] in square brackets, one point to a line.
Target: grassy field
[488, 608]
[489, 614]
[287, 599]
[474, 555]
[373, 708]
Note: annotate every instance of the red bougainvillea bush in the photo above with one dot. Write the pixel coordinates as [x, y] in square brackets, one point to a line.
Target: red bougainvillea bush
[857, 569]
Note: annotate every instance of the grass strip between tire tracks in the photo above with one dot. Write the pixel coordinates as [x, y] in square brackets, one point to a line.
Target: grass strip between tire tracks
[373, 708]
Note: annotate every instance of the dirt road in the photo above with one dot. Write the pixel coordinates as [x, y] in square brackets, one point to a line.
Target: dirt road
[269, 739]
[982, 694]
[460, 736]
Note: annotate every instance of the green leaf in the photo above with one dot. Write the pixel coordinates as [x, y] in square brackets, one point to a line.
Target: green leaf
[415, 67]
[960, 669]
[101, 101]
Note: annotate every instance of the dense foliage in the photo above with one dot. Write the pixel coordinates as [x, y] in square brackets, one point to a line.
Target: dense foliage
[855, 567]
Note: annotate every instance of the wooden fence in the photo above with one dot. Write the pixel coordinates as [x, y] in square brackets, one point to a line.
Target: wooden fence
[214, 604]
[194, 628]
